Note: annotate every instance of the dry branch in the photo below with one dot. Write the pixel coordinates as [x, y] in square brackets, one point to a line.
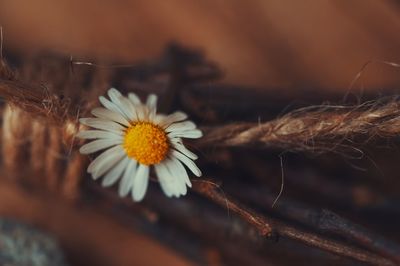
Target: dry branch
[322, 220]
[210, 191]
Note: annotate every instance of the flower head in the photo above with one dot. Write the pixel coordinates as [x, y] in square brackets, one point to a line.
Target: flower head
[132, 138]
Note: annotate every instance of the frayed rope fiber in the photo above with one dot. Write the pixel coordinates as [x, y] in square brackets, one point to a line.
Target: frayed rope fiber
[315, 128]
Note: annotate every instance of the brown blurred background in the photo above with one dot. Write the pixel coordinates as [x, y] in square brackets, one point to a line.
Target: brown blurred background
[274, 44]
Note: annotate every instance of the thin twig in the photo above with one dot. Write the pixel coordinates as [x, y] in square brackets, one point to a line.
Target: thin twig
[320, 219]
[210, 190]
[272, 225]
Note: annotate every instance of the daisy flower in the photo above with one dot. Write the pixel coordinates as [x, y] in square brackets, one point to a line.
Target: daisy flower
[132, 138]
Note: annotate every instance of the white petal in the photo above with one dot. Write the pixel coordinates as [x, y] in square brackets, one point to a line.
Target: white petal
[98, 145]
[102, 124]
[114, 174]
[129, 109]
[114, 95]
[115, 91]
[177, 177]
[98, 134]
[190, 134]
[105, 161]
[182, 126]
[111, 115]
[188, 162]
[151, 105]
[181, 172]
[158, 118]
[151, 101]
[127, 180]
[163, 178]
[140, 183]
[106, 166]
[134, 99]
[109, 105]
[172, 118]
[141, 112]
[118, 99]
[170, 182]
[105, 155]
[181, 148]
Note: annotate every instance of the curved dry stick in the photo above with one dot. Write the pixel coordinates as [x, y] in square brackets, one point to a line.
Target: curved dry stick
[268, 226]
[208, 189]
[322, 220]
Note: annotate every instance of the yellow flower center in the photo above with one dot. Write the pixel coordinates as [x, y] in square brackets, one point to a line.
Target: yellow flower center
[146, 143]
